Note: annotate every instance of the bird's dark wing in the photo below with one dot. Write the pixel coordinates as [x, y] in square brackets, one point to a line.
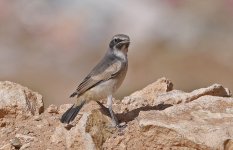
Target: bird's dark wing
[102, 72]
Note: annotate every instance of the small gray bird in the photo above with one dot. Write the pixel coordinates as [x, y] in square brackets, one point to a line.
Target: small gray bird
[104, 79]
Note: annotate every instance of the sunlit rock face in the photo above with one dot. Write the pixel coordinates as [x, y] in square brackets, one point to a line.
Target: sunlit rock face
[156, 117]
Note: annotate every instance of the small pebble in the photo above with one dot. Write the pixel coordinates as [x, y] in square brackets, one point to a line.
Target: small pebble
[16, 142]
[26, 131]
[37, 118]
[25, 146]
[52, 109]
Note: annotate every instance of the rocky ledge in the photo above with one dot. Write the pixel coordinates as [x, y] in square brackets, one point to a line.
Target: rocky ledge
[157, 117]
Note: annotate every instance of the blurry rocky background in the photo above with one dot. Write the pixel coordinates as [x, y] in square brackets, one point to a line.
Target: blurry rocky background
[49, 46]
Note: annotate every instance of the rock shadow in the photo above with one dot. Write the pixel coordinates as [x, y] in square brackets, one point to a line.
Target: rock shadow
[131, 115]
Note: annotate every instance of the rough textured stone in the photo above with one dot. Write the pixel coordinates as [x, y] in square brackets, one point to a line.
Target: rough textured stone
[16, 143]
[18, 100]
[26, 138]
[150, 138]
[25, 146]
[7, 147]
[63, 108]
[177, 97]
[146, 96]
[157, 117]
[208, 120]
[76, 137]
[228, 144]
[52, 109]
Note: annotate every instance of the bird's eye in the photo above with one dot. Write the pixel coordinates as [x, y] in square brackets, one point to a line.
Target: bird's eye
[115, 40]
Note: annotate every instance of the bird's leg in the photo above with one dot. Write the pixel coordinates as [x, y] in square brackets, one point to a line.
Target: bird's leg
[114, 119]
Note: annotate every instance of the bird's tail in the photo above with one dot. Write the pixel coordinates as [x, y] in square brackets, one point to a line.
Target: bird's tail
[71, 113]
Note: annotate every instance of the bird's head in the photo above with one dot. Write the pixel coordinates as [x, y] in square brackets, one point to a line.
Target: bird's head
[119, 44]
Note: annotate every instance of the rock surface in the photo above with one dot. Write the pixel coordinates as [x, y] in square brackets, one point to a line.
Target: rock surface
[157, 117]
[17, 100]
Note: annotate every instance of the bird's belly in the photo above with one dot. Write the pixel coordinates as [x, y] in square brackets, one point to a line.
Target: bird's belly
[101, 91]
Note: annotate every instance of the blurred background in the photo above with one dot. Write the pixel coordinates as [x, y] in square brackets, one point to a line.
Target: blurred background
[50, 45]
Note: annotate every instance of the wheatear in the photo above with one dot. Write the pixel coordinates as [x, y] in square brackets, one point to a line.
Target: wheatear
[104, 79]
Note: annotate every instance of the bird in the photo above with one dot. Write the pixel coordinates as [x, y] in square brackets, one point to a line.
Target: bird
[103, 80]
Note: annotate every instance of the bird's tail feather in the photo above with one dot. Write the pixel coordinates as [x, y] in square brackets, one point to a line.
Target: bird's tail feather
[71, 113]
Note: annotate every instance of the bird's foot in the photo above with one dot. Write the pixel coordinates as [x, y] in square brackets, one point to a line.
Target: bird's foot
[120, 128]
[121, 125]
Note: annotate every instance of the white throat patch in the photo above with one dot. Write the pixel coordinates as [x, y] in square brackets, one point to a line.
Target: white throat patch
[119, 54]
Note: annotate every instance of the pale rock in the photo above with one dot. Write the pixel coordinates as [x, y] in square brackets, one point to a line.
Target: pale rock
[204, 121]
[63, 108]
[18, 100]
[177, 97]
[25, 146]
[37, 118]
[76, 137]
[146, 96]
[151, 137]
[6, 147]
[16, 142]
[26, 138]
[52, 109]
[156, 117]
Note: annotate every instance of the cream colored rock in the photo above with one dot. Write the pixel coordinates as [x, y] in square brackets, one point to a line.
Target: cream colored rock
[157, 117]
[18, 100]
[146, 96]
[52, 109]
[88, 131]
[63, 108]
[76, 137]
[151, 138]
[26, 138]
[177, 97]
[16, 142]
[208, 120]
[25, 146]
[7, 147]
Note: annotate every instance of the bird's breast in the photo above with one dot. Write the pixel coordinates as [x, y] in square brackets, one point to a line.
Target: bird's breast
[100, 91]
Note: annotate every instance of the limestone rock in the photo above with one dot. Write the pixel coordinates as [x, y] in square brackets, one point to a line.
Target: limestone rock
[16, 143]
[26, 138]
[177, 97]
[146, 96]
[208, 120]
[76, 137]
[89, 131]
[157, 117]
[63, 108]
[151, 137]
[25, 146]
[52, 109]
[7, 147]
[18, 100]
